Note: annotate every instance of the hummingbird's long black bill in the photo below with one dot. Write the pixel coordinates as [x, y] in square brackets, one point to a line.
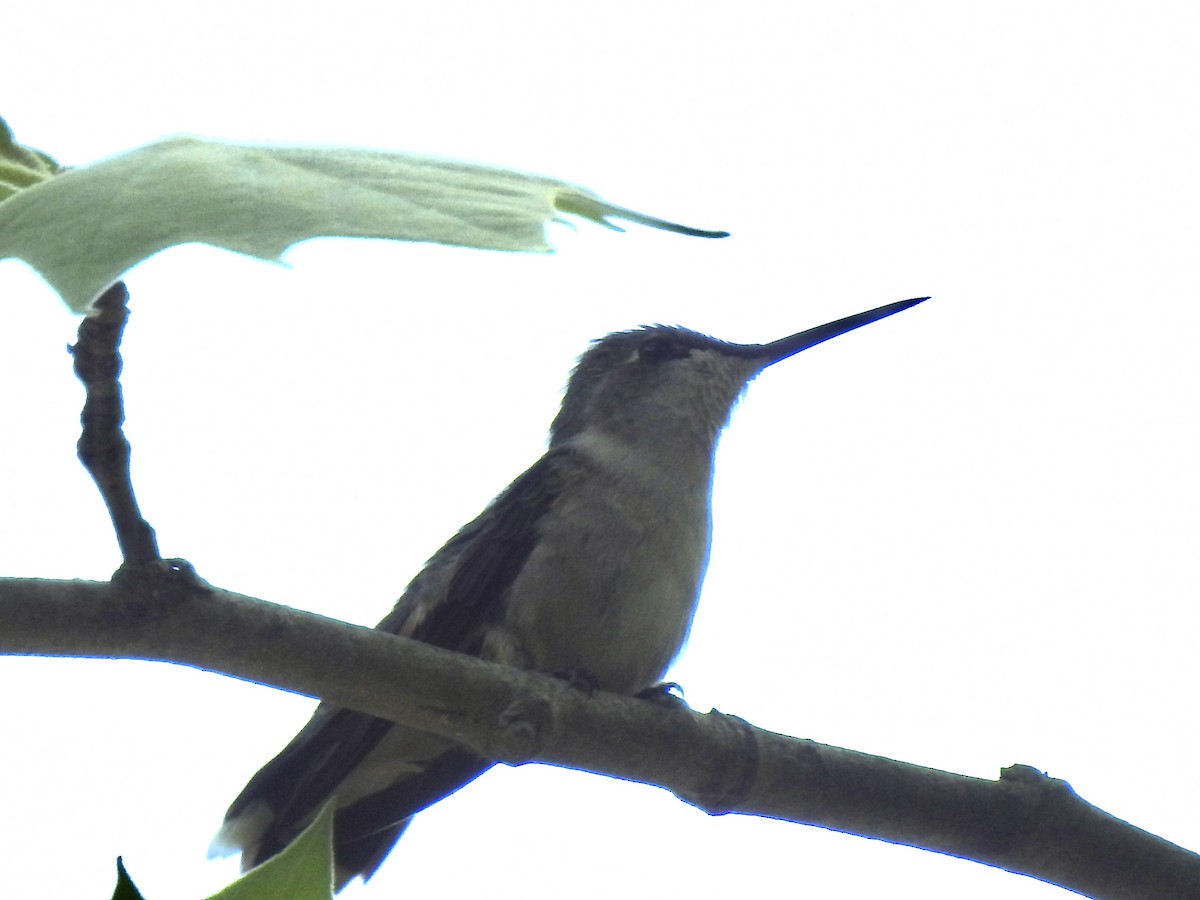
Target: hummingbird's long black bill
[790, 346]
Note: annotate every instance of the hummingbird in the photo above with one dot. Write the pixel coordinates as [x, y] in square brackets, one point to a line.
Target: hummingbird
[589, 563]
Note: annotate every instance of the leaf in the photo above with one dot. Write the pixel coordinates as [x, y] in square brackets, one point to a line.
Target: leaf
[84, 228]
[21, 166]
[303, 871]
[125, 889]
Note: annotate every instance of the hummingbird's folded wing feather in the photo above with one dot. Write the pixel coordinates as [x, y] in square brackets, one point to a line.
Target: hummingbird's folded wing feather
[461, 592]
[383, 773]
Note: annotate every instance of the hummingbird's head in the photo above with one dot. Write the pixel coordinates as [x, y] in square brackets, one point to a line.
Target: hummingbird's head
[669, 384]
[653, 380]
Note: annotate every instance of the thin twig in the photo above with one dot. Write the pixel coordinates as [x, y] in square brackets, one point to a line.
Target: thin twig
[103, 449]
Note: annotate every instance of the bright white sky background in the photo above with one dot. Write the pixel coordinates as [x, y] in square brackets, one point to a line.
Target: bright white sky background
[963, 537]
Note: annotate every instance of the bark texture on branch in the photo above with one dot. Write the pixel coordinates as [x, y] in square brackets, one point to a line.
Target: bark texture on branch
[1024, 822]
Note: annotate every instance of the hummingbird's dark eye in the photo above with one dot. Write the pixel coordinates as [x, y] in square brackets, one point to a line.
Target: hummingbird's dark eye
[660, 349]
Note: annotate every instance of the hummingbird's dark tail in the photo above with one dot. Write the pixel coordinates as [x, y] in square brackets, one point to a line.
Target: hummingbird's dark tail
[381, 774]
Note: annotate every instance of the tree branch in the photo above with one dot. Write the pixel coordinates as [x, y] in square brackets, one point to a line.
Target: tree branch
[1024, 822]
[103, 449]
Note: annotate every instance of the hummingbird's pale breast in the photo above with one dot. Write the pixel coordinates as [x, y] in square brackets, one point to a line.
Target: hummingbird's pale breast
[620, 612]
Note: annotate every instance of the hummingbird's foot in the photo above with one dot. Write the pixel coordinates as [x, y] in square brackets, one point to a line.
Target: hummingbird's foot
[580, 679]
[668, 694]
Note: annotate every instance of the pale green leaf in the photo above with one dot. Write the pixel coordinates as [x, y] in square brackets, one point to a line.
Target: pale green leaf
[303, 871]
[83, 229]
[21, 166]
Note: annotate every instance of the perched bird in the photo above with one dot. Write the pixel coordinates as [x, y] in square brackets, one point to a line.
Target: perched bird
[590, 563]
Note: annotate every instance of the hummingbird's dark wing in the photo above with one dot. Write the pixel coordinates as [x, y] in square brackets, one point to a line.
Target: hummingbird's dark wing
[388, 772]
[488, 554]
